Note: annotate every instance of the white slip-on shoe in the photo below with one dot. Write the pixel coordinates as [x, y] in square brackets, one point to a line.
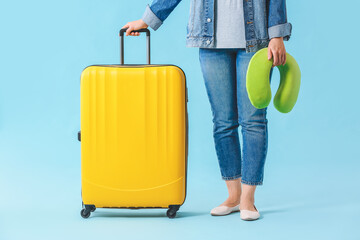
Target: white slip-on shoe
[249, 215]
[224, 210]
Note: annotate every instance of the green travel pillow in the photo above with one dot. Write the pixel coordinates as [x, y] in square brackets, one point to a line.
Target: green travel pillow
[258, 82]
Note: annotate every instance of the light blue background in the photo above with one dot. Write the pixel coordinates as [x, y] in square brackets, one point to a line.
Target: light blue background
[311, 177]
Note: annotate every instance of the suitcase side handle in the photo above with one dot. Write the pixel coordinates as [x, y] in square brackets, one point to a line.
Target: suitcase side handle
[121, 34]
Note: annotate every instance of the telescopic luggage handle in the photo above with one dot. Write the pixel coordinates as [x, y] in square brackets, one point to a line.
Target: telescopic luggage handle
[122, 31]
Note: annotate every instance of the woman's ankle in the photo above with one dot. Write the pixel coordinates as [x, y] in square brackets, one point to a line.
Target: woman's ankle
[247, 204]
[231, 202]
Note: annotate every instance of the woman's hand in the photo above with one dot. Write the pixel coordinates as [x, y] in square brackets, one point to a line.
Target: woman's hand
[276, 50]
[134, 25]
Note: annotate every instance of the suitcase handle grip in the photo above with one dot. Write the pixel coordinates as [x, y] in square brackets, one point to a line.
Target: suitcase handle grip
[121, 34]
[123, 30]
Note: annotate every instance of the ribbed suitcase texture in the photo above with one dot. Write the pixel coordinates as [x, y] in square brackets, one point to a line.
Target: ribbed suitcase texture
[133, 136]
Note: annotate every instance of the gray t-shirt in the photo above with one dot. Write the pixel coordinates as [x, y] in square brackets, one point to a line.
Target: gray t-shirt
[229, 14]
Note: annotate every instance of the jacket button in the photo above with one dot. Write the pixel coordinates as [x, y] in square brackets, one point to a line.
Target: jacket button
[209, 20]
[208, 41]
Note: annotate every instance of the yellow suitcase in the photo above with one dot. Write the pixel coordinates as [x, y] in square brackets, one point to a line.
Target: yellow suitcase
[134, 135]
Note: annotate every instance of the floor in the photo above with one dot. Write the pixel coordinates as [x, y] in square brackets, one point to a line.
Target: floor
[41, 200]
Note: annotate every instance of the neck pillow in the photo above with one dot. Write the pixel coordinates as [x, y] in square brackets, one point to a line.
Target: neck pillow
[258, 82]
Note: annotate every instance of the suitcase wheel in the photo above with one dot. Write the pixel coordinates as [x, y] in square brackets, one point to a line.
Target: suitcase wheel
[171, 212]
[86, 212]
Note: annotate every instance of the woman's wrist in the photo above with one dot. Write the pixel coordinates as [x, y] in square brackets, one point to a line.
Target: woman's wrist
[277, 38]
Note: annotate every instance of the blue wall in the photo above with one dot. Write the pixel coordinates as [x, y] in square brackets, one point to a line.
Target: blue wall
[312, 164]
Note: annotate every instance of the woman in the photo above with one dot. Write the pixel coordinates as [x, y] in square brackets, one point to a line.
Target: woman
[228, 33]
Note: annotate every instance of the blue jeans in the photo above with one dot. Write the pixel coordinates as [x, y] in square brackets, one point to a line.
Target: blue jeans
[224, 72]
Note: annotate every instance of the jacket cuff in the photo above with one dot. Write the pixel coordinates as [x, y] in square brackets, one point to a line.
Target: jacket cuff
[151, 19]
[280, 30]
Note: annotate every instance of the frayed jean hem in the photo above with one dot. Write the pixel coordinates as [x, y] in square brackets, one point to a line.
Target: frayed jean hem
[231, 178]
[251, 183]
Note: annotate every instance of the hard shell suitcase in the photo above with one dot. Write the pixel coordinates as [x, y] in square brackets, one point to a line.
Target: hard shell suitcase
[134, 135]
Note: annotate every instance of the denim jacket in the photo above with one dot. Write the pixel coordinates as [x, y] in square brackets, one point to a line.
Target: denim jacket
[264, 19]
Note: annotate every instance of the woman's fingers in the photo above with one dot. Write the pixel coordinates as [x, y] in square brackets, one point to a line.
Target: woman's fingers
[276, 58]
[134, 25]
[128, 31]
[276, 55]
[130, 28]
[269, 54]
[134, 33]
[281, 56]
